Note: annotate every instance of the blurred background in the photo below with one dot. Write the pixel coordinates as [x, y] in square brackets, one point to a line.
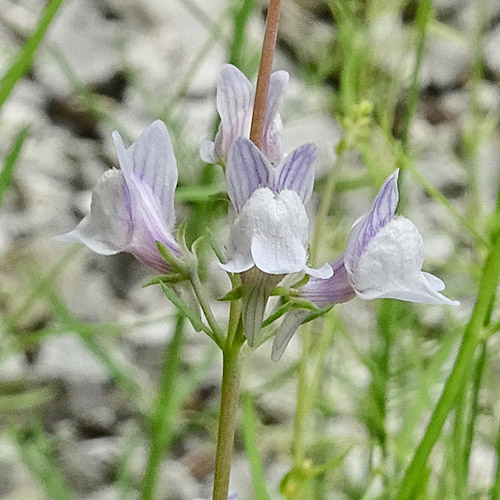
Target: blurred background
[86, 351]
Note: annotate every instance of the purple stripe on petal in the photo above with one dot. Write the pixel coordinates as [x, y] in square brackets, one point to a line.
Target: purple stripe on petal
[382, 211]
[296, 172]
[150, 161]
[234, 104]
[247, 170]
[277, 84]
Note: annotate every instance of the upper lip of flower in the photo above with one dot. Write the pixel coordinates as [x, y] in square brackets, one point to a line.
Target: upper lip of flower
[235, 97]
[248, 169]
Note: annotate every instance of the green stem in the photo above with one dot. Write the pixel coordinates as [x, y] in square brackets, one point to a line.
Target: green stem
[227, 421]
[424, 15]
[476, 384]
[472, 337]
[458, 441]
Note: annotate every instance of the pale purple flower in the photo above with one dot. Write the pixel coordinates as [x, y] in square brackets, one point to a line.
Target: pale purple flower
[271, 229]
[133, 208]
[269, 236]
[383, 259]
[235, 98]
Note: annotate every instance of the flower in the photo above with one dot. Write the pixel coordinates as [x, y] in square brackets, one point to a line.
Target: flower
[269, 236]
[383, 259]
[133, 208]
[271, 227]
[235, 97]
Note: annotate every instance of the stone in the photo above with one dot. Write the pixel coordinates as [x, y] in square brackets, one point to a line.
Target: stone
[65, 358]
[446, 62]
[89, 464]
[491, 52]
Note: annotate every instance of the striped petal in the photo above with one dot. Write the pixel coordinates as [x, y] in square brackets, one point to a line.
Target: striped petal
[247, 170]
[382, 211]
[235, 95]
[296, 172]
[107, 230]
[235, 100]
[149, 167]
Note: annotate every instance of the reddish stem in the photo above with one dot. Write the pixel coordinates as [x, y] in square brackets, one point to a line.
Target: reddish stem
[266, 63]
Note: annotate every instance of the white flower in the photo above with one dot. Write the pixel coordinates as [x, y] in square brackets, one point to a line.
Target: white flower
[271, 227]
[269, 236]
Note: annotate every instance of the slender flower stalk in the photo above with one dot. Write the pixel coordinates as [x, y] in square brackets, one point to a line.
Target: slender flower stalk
[266, 63]
[231, 357]
[230, 391]
[205, 305]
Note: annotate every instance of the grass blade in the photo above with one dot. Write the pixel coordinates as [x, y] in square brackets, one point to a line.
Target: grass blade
[11, 161]
[36, 451]
[164, 411]
[454, 384]
[25, 57]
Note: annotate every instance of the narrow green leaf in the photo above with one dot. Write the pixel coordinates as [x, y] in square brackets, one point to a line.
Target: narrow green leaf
[277, 314]
[250, 440]
[455, 382]
[27, 53]
[174, 262]
[27, 400]
[317, 313]
[36, 451]
[186, 194]
[284, 291]
[495, 489]
[216, 248]
[165, 278]
[234, 294]
[11, 161]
